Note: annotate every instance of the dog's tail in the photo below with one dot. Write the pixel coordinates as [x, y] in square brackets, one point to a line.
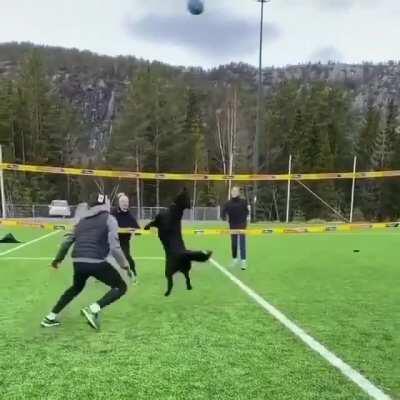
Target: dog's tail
[199, 256]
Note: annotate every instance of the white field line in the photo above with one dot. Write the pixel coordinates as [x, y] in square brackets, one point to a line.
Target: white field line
[29, 243]
[354, 376]
[51, 258]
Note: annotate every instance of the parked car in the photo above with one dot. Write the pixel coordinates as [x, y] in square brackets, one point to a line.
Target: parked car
[59, 208]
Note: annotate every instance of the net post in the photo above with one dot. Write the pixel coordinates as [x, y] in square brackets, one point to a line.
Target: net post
[288, 189]
[3, 196]
[138, 194]
[353, 188]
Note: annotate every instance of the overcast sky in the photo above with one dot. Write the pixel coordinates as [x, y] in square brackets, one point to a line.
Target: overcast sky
[295, 30]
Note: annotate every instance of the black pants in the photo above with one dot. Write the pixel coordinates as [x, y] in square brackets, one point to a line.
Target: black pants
[242, 245]
[103, 272]
[125, 246]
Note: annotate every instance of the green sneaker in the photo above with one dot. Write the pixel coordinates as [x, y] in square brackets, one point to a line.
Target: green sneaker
[93, 319]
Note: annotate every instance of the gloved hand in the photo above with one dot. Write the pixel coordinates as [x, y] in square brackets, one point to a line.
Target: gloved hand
[55, 264]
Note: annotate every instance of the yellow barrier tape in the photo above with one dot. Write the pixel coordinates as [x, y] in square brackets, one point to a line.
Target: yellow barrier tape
[193, 177]
[217, 231]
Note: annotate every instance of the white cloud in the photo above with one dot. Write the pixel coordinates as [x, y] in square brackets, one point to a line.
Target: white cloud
[326, 54]
[295, 29]
[211, 35]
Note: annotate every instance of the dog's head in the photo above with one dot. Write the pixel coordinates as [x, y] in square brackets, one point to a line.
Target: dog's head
[182, 201]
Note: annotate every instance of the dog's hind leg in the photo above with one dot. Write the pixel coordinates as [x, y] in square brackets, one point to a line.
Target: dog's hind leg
[187, 278]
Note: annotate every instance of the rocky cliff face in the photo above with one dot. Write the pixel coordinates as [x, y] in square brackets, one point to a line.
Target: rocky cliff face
[380, 82]
[97, 99]
[93, 85]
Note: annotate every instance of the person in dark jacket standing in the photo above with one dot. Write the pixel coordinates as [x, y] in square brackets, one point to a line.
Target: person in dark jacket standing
[125, 220]
[96, 246]
[236, 211]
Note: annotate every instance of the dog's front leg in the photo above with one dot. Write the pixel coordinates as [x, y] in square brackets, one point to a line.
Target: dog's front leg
[170, 283]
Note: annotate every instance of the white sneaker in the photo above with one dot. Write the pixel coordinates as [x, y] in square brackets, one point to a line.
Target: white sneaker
[234, 262]
[243, 265]
[48, 322]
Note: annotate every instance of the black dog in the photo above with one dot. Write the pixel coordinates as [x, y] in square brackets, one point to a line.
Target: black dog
[169, 226]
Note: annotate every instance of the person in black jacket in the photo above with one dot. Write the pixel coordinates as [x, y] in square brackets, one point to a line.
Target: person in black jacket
[125, 220]
[236, 211]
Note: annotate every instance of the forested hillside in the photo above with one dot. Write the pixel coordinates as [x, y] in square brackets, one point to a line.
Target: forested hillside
[72, 108]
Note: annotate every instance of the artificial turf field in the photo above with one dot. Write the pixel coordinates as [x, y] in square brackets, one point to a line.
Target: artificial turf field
[213, 342]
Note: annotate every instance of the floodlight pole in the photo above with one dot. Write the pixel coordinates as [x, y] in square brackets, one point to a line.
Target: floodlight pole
[256, 157]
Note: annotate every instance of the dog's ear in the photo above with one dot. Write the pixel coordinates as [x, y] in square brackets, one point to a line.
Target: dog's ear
[183, 199]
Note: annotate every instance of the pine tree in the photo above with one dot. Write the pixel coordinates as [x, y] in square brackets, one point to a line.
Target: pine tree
[193, 146]
[386, 191]
[296, 134]
[391, 134]
[147, 129]
[7, 112]
[366, 148]
[38, 128]
[368, 136]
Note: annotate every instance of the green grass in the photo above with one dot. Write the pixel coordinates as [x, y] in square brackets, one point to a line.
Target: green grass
[213, 342]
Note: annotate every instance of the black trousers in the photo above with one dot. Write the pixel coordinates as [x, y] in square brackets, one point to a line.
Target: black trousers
[125, 246]
[103, 272]
[242, 245]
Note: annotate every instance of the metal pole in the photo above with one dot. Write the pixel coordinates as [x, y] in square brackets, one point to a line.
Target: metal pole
[288, 189]
[138, 196]
[194, 197]
[353, 186]
[259, 106]
[3, 196]
[230, 173]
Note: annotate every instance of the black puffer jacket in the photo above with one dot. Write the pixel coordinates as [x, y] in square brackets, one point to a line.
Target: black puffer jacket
[237, 211]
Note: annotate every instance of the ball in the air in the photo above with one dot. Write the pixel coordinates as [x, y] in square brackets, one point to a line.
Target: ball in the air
[196, 7]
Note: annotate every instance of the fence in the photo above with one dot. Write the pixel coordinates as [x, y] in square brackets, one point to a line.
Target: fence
[195, 214]
[30, 210]
[37, 211]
